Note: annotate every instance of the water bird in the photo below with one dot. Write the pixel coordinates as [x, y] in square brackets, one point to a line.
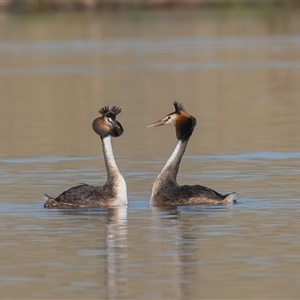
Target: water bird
[165, 190]
[114, 191]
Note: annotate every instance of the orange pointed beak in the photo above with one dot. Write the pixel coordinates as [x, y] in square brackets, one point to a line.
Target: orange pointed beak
[157, 123]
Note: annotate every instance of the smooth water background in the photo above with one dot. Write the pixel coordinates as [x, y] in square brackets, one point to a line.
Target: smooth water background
[237, 74]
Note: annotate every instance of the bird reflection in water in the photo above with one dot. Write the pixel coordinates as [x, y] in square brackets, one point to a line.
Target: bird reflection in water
[111, 248]
[116, 246]
[179, 243]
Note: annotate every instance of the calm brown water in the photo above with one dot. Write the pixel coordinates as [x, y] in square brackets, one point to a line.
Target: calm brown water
[239, 76]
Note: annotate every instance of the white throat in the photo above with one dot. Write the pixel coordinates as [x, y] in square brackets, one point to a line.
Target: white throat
[113, 173]
[109, 155]
[173, 156]
[169, 172]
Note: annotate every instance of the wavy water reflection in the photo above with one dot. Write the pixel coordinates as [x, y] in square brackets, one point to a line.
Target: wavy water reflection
[117, 257]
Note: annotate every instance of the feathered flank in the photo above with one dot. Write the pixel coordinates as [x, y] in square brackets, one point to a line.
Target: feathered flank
[178, 107]
[106, 111]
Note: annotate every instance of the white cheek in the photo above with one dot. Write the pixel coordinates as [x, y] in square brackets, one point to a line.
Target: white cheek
[169, 122]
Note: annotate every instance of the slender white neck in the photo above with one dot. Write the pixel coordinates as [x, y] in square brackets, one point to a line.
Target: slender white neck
[113, 174]
[170, 170]
[111, 165]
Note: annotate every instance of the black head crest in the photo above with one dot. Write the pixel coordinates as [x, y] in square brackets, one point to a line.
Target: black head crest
[107, 124]
[178, 107]
[105, 111]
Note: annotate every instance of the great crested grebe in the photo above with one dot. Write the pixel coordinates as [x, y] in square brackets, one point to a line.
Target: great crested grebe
[114, 191]
[166, 191]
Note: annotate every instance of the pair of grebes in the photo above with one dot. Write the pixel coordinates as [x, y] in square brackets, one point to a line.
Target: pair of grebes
[165, 191]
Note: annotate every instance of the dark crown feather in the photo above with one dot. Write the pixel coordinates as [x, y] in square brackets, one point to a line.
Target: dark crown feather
[178, 106]
[114, 110]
